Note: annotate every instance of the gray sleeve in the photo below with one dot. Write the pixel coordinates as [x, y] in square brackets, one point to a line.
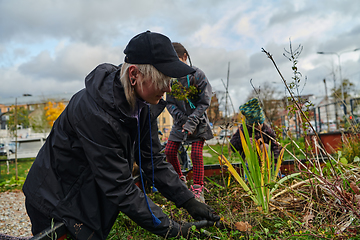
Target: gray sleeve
[178, 115]
[203, 102]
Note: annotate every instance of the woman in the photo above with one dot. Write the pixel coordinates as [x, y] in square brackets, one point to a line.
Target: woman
[190, 122]
[82, 174]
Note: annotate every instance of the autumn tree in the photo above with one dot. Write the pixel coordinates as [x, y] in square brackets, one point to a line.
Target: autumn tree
[213, 111]
[348, 87]
[53, 111]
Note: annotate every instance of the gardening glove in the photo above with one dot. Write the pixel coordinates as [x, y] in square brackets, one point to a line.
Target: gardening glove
[200, 211]
[222, 225]
[185, 230]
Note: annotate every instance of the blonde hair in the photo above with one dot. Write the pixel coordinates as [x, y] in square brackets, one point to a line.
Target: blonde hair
[148, 71]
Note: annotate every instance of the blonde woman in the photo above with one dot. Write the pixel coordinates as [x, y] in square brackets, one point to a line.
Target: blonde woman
[82, 175]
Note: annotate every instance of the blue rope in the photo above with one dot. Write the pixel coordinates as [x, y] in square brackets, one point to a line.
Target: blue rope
[152, 161]
[191, 104]
[156, 221]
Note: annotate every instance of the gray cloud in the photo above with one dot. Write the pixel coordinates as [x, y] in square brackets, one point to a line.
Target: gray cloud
[49, 46]
[71, 63]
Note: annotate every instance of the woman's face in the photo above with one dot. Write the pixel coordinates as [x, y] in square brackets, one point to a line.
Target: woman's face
[144, 87]
[148, 91]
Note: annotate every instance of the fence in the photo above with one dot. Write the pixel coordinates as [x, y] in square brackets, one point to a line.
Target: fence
[355, 107]
[336, 116]
[331, 117]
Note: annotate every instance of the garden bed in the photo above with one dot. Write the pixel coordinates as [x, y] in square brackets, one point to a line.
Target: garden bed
[332, 141]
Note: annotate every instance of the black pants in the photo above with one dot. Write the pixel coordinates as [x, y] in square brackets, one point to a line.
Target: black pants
[39, 221]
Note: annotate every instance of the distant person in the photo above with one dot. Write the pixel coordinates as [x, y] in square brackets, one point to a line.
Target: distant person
[190, 122]
[254, 115]
[82, 176]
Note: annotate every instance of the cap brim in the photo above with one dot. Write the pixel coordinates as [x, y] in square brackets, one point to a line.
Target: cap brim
[175, 69]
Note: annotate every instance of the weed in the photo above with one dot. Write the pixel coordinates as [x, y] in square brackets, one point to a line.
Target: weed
[12, 183]
[261, 171]
[350, 148]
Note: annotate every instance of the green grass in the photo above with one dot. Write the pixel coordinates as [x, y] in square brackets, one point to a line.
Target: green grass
[213, 159]
[7, 178]
[292, 148]
[209, 156]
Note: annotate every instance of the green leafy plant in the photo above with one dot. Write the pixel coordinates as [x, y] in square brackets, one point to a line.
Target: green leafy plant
[12, 183]
[20, 117]
[180, 92]
[260, 170]
[292, 55]
[350, 148]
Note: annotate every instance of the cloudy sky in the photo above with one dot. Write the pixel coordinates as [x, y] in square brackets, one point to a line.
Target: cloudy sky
[49, 46]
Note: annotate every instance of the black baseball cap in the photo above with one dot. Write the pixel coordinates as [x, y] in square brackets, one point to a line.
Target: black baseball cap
[157, 50]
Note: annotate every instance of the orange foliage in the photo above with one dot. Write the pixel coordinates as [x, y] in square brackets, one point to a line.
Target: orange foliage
[53, 111]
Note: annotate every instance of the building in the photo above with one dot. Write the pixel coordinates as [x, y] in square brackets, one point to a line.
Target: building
[165, 122]
[29, 102]
[36, 104]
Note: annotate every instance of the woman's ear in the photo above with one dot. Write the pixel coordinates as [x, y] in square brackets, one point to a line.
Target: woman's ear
[133, 74]
[132, 81]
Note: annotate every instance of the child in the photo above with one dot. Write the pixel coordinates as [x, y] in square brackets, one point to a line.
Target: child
[190, 122]
[254, 115]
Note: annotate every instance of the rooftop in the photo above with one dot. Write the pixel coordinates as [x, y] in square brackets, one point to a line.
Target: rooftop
[28, 99]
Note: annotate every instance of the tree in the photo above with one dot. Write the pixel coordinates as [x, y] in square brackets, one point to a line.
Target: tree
[53, 111]
[22, 118]
[213, 111]
[38, 121]
[18, 116]
[348, 88]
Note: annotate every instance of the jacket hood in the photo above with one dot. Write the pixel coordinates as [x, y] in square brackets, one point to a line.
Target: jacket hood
[104, 86]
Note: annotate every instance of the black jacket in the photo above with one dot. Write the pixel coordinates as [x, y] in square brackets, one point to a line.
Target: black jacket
[82, 174]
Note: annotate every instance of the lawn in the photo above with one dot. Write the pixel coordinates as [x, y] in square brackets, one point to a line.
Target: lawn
[7, 175]
[211, 153]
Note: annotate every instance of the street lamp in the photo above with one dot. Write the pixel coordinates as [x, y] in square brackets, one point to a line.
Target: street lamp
[341, 80]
